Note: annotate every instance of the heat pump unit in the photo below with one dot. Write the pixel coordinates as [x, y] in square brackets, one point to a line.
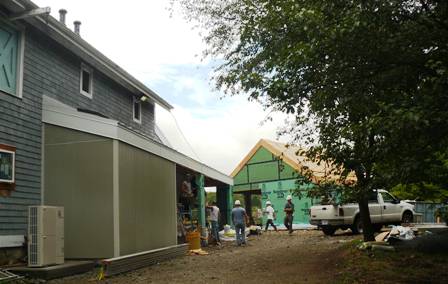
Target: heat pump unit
[45, 235]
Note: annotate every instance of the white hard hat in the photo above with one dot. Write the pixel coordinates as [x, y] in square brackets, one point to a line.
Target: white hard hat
[268, 202]
[237, 202]
[288, 197]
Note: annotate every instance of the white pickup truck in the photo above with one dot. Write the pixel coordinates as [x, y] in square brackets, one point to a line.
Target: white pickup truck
[384, 209]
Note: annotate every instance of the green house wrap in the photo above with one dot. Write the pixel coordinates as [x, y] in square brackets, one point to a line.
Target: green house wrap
[272, 170]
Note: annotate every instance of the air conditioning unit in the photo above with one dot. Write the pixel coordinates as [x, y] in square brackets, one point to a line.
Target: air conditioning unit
[45, 235]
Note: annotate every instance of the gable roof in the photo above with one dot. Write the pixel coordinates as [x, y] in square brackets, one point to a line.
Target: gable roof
[290, 155]
[73, 42]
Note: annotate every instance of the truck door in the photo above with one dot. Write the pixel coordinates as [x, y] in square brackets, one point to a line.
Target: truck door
[374, 207]
[391, 211]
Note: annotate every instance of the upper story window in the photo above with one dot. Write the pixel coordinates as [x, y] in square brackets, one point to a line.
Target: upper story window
[86, 81]
[137, 110]
[11, 57]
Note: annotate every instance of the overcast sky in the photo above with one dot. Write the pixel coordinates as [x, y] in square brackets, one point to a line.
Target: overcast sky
[165, 54]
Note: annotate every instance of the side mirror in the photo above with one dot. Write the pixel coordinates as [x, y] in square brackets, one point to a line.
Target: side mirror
[396, 201]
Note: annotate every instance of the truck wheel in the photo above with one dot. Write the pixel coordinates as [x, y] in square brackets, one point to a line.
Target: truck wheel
[407, 217]
[357, 226]
[328, 230]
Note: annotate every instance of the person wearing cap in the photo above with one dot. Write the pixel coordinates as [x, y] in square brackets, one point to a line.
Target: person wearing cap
[289, 210]
[270, 216]
[239, 218]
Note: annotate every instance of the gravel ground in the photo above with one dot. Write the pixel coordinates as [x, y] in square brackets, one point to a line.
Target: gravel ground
[274, 257]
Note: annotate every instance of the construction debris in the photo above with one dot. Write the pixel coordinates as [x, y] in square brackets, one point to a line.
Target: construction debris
[197, 252]
[7, 276]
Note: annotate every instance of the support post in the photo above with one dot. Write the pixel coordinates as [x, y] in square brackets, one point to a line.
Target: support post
[248, 206]
[201, 209]
[229, 204]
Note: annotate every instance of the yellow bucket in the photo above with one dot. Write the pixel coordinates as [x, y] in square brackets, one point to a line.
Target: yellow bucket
[194, 240]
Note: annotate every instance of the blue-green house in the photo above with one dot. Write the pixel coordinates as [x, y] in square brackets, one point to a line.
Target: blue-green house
[272, 169]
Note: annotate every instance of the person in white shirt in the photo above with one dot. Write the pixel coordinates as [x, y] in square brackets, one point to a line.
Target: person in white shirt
[270, 216]
[214, 220]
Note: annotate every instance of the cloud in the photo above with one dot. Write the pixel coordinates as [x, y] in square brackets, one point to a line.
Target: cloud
[224, 137]
[162, 52]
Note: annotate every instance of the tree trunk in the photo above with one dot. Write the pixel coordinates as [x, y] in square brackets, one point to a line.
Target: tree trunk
[365, 217]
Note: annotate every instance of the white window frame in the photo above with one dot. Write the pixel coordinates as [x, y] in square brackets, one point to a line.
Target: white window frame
[20, 54]
[13, 166]
[136, 100]
[85, 68]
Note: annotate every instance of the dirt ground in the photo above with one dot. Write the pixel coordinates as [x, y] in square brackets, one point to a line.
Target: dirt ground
[274, 257]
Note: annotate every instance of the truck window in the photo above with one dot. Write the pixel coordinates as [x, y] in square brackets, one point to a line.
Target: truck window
[373, 197]
[387, 197]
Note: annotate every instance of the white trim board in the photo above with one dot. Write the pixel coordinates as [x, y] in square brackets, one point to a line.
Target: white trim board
[56, 113]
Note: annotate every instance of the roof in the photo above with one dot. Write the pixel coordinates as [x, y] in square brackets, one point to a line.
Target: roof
[73, 42]
[59, 114]
[290, 154]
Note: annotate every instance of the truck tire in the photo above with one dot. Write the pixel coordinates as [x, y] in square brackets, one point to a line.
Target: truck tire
[407, 218]
[328, 230]
[357, 226]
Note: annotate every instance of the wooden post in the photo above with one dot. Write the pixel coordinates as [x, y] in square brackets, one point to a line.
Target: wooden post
[201, 209]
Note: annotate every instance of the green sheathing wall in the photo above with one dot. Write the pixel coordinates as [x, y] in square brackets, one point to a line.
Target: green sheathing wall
[147, 201]
[241, 177]
[286, 171]
[262, 167]
[78, 176]
[276, 192]
[262, 155]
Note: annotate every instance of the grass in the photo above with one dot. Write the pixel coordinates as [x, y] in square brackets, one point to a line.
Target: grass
[405, 266]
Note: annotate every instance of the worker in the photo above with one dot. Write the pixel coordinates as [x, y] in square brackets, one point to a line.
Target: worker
[186, 192]
[214, 218]
[270, 216]
[289, 211]
[239, 218]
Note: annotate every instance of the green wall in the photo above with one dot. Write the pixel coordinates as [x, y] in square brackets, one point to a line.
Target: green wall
[276, 180]
[78, 175]
[277, 191]
[147, 201]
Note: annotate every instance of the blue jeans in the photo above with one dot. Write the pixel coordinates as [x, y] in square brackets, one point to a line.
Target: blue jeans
[240, 234]
[215, 230]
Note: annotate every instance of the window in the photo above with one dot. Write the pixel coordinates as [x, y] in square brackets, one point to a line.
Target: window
[137, 110]
[387, 197]
[7, 164]
[373, 197]
[86, 81]
[11, 56]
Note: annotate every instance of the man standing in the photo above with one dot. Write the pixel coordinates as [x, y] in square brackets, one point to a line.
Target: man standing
[270, 216]
[289, 210]
[214, 217]
[239, 218]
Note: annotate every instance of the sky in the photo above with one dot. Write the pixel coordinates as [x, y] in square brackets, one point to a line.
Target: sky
[163, 51]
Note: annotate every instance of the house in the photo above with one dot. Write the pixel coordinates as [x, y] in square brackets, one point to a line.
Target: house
[274, 170]
[78, 131]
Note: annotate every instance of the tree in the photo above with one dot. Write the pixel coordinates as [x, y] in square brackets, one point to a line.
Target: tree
[365, 79]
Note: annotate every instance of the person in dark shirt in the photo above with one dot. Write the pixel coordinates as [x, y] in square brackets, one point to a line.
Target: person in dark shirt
[289, 210]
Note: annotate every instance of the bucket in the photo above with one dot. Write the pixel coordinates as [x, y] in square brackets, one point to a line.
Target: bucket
[194, 240]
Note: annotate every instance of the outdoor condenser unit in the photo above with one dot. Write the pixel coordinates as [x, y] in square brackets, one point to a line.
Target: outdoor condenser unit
[45, 235]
